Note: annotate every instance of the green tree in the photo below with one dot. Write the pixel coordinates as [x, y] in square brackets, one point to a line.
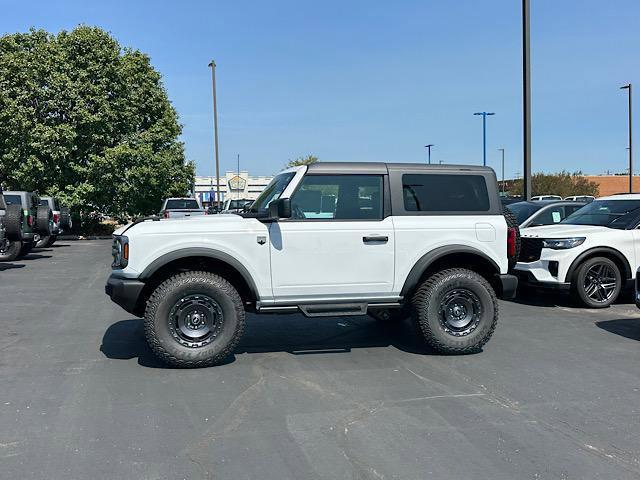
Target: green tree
[88, 121]
[562, 183]
[309, 159]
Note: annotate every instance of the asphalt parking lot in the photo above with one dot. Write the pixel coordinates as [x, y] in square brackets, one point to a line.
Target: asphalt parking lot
[555, 393]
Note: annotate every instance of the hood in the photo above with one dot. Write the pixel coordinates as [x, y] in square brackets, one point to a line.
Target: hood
[563, 230]
[199, 224]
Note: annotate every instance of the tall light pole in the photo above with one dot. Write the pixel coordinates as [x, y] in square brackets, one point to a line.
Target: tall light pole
[215, 130]
[628, 88]
[428, 147]
[502, 150]
[239, 179]
[484, 135]
[526, 102]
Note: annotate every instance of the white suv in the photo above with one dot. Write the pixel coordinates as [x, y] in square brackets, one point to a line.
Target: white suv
[328, 239]
[593, 253]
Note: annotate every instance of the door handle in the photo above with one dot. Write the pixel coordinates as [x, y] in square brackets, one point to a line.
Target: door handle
[375, 239]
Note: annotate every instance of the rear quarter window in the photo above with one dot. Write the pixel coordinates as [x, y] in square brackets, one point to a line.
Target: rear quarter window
[445, 193]
[186, 204]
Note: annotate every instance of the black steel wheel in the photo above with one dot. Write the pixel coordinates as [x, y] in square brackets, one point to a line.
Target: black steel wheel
[456, 311]
[598, 282]
[194, 319]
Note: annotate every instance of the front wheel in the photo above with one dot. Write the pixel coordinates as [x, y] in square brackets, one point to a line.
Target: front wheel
[456, 310]
[194, 319]
[43, 242]
[597, 282]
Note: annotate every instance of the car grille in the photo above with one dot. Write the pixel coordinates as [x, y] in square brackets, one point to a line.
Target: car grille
[530, 249]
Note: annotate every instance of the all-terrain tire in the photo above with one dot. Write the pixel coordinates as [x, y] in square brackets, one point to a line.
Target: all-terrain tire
[43, 242]
[11, 251]
[52, 240]
[431, 299]
[160, 328]
[512, 222]
[578, 290]
[44, 220]
[14, 222]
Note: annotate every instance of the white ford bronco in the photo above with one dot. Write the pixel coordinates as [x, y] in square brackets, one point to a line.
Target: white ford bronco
[328, 239]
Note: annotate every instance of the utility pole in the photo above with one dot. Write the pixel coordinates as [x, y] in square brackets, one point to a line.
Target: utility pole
[215, 130]
[428, 147]
[484, 135]
[502, 150]
[526, 100]
[628, 88]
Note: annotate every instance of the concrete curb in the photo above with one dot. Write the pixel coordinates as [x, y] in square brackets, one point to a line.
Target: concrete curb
[82, 237]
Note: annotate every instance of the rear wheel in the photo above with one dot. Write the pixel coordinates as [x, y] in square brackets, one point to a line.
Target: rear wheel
[43, 242]
[52, 240]
[10, 251]
[26, 249]
[456, 310]
[194, 319]
[597, 282]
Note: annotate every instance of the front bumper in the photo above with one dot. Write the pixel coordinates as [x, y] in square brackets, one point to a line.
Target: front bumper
[509, 286]
[125, 292]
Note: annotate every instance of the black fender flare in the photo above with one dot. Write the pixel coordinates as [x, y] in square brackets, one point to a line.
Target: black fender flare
[429, 258]
[163, 260]
[595, 251]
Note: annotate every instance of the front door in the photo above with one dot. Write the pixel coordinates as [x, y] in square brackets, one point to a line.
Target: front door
[336, 244]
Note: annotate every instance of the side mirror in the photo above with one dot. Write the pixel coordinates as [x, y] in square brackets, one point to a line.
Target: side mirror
[280, 208]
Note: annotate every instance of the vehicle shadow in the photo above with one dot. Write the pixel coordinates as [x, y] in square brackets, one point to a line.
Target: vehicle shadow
[35, 256]
[294, 334]
[627, 327]
[9, 266]
[545, 298]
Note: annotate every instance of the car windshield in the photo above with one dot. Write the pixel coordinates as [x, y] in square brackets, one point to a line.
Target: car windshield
[607, 213]
[523, 210]
[182, 204]
[272, 192]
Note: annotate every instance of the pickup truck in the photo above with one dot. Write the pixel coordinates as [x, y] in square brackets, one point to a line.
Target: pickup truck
[430, 242]
[181, 207]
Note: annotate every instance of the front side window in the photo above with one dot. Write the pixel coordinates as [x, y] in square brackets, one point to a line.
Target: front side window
[445, 193]
[271, 192]
[338, 197]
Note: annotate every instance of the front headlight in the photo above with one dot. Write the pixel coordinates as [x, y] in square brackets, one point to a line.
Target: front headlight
[562, 243]
[120, 252]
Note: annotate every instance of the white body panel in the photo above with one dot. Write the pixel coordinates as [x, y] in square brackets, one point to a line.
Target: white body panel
[229, 234]
[627, 242]
[312, 259]
[418, 235]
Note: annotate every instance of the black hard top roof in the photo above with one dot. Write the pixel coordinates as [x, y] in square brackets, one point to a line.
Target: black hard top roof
[382, 168]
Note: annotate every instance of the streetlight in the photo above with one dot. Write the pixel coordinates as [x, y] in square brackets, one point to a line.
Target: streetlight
[215, 129]
[628, 88]
[428, 147]
[484, 135]
[526, 101]
[502, 150]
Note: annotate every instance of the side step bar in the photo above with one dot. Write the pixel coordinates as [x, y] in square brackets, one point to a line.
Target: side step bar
[328, 309]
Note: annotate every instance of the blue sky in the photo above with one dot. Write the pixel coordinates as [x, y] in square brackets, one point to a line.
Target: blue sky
[372, 80]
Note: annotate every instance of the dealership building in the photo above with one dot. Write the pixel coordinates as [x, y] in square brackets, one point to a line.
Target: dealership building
[234, 185]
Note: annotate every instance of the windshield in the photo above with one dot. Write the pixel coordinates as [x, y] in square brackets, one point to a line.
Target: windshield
[272, 191]
[182, 204]
[607, 213]
[523, 210]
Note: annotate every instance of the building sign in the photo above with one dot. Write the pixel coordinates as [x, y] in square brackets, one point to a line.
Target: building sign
[237, 183]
